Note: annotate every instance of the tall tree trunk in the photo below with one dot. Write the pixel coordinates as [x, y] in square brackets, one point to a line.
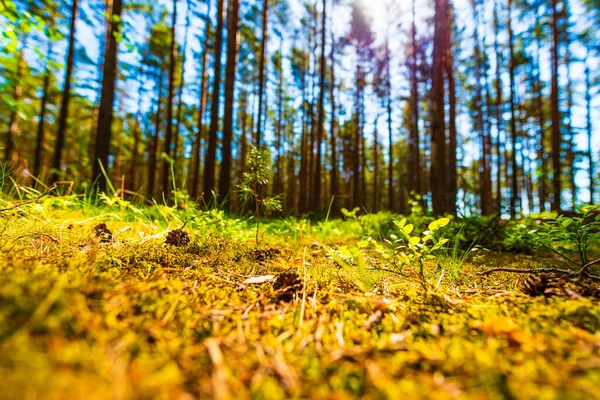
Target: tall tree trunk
[316, 189]
[232, 44]
[388, 92]
[333, 181]
[13, 122]
[208, 184]
[498, 109]
[514, 193]
[137, 131]
[262, 72]
[356, 159]
[569, 109]
[542, 155]
[66, 96]
[487, 205]
[555, 114]
[278, 180]
[589, 128]
[168, 143]
[177, 135]
[437, 114]
[414, 151]
[153, 148]
[109, 77]
[452, 188]
[195, 181]
[376, 186]
[39, 144]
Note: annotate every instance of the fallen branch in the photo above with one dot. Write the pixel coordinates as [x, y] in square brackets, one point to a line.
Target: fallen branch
[582, 273]
[34, 200]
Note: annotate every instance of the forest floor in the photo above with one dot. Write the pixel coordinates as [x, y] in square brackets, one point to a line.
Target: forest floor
[130, 310]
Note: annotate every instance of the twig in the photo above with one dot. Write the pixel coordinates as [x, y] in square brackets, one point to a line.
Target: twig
[47, 192]
[582, 273]
[527, 271]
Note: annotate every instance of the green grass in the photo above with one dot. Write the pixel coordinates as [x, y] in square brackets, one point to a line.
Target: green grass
[138, 318]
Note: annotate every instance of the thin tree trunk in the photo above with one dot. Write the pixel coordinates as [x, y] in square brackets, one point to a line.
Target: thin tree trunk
[356, 160]
[195, 184]
[137, 131]
[452, 191]
[177, 135]
[589, 128]
[262, 71]
[278, 181]
[105, 116]
[542, 155]
[208, 184]
[316, 192]
[514, 195]
[390, 176]
[498, 109]
[232, 44]
[66, 96]
[332, 128]
[153, 148]
[39, 144]
[414, 151]
[13, 122]
[487, 205]
[168, 143]
[376, 194]
[437, 114]
[555, 114]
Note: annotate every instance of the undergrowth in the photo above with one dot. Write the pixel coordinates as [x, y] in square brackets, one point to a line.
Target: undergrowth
[316, 311]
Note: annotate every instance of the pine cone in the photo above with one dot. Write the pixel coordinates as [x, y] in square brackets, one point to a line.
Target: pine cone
[177, 237]
[102, 231]
[539, 285]
[264, 255]
[287, 285]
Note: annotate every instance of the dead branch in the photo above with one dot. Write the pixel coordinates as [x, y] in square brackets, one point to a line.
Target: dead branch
[34, 200]
[581, 274]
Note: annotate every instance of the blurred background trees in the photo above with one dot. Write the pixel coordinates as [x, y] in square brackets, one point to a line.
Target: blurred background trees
[462, 106]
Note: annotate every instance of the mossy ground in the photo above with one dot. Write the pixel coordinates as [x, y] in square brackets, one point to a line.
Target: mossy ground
[82, 318]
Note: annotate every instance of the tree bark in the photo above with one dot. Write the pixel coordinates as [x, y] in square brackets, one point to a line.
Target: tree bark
[168, 143]
[195, 181]
[177, 136]
[153, 148]
[316, 189]
[414, 151]
[555, 114]
[514, 193]
[208, 184]
[437, 114]
[66, 96]
[13, 122]
[105, 116]
[262, 72]
[39, 144]
[232, 44]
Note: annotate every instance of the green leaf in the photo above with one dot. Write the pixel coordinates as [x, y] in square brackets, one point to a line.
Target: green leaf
[414, 240]
[408, 229]
[438, 223]
[362, 244]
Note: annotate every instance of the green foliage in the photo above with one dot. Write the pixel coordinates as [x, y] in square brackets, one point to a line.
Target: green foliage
[408, 250]
[571, 237]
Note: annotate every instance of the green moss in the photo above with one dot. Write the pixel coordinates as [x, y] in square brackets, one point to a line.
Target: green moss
[138, 318]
